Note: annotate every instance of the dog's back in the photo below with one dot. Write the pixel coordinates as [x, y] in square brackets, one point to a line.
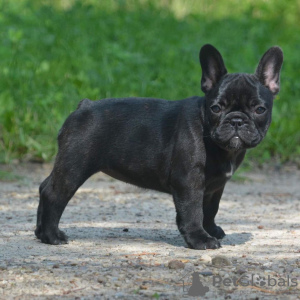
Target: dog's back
[104, 130]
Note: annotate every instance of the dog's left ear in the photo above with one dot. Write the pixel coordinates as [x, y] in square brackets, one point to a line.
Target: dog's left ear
[212, 65]
[268, 70]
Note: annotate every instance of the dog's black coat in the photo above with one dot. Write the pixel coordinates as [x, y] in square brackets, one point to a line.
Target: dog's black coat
[187, 148]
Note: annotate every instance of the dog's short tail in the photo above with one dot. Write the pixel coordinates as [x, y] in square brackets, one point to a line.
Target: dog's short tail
[84, 103]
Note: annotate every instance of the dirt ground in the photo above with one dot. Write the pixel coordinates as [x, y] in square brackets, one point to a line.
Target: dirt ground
[124, 244]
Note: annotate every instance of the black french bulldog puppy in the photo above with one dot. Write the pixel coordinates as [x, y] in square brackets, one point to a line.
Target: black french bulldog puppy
[188, 148]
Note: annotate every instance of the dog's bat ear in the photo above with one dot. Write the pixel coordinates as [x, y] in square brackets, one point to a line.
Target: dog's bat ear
[268, 70]
[212, 65]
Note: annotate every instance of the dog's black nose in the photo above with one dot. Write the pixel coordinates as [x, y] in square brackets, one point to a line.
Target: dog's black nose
[236, 122]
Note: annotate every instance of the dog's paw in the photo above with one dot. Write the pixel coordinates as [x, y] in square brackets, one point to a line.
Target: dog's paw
[215, 231]
[54, 237]
[38, 232]
[202, 242]
[209, 243]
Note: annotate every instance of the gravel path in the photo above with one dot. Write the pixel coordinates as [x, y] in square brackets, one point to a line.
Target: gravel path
[124, 243]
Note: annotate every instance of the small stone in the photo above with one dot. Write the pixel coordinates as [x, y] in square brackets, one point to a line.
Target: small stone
[266, 266]
[253, 263]
[241, 271]
[176, 264]
[220, 261]
[289, 269]
[189, 267]
[125, 229]
[3, 267]
[206, 259]
[210, 295]
[260, 227]
[29, 270]
[101, 280]
[171, 253]
[119, 295]
[296, 272]
[206, 273]
[139, 214]
[143, 287]
[55, 266]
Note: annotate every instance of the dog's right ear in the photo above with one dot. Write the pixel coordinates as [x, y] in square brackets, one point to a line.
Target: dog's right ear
[212, 65]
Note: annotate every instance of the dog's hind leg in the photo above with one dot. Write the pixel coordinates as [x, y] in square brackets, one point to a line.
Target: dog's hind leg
[75, 162]
[40, 208]
[55, 192]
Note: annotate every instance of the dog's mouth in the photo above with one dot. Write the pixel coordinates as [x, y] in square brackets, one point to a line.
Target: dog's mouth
[236, 140]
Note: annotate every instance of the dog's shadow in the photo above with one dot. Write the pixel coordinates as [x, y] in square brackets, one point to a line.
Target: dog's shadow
[233, 239]
[120, 234]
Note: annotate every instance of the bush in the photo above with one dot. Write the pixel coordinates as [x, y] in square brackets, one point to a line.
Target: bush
[54, 53]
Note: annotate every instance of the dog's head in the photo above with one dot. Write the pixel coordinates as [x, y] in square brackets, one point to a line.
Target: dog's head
[239, 106]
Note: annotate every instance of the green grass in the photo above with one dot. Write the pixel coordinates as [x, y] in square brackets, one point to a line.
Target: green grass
[55, 53]
[9, 176]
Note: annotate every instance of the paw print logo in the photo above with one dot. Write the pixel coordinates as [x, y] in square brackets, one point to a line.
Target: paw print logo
[197, 288]
[260, 281]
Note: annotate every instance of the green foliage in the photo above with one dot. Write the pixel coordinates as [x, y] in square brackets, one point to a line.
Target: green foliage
[8, 176]
[156, 296]
[55, 53]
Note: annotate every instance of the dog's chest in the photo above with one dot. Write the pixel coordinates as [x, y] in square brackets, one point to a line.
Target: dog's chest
[218, 174]
[228, 170]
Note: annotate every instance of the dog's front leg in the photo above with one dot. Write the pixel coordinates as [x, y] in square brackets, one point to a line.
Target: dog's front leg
[189, 208]
[210, 209]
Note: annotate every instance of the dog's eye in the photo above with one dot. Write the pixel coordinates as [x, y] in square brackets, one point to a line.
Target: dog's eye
[260, 110]
[216, 109]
